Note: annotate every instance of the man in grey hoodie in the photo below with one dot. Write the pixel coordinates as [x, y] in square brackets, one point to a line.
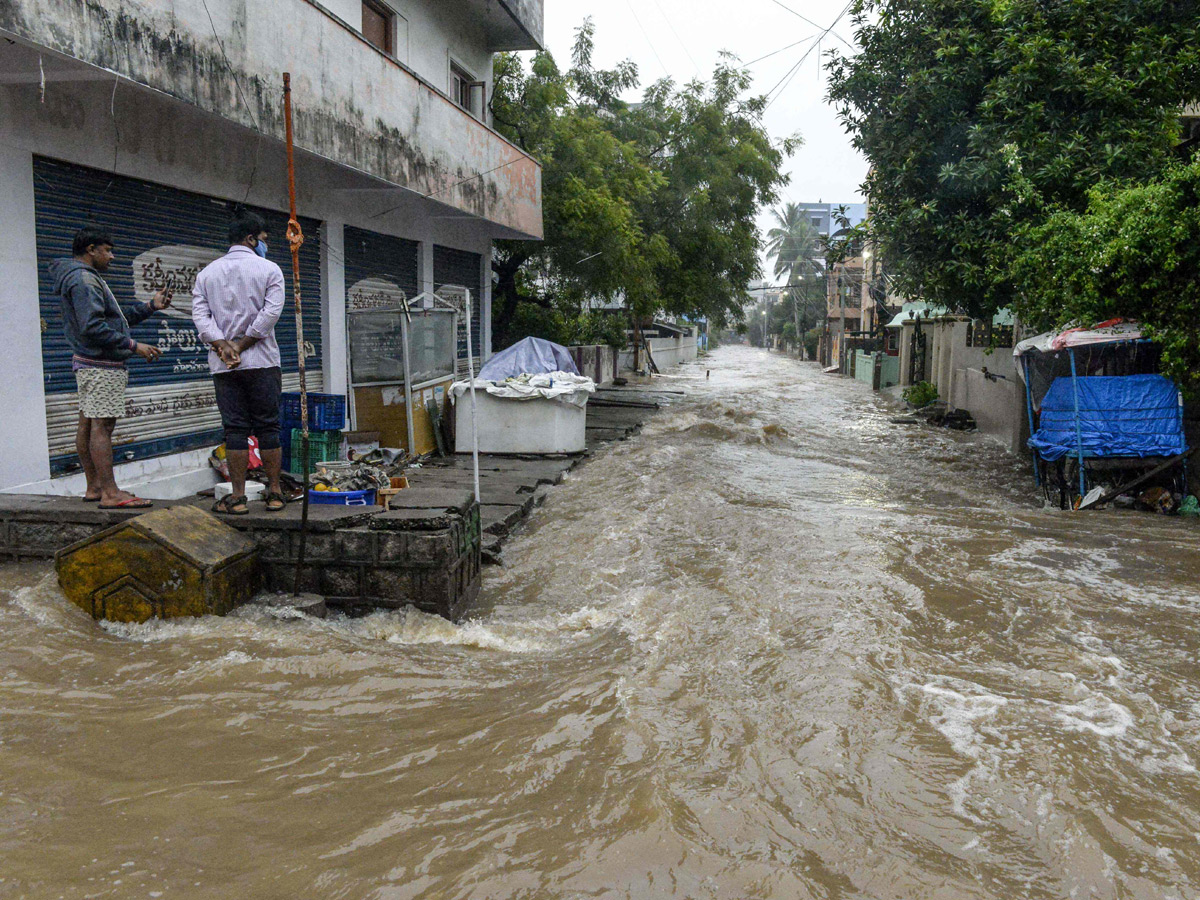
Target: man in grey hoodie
[97, 330]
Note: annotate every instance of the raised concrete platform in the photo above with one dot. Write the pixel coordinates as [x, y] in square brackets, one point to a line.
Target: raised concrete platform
[427, 551]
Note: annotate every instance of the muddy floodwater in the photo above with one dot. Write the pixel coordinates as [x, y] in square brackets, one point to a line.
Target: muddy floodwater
[773, 646]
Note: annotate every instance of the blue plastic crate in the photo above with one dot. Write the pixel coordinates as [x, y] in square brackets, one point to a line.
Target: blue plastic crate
[326, 412]
[342, 498]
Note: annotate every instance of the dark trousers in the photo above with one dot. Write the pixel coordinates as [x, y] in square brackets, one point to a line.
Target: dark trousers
[249, 403]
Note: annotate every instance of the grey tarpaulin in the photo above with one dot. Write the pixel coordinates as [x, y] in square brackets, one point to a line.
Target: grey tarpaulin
[531, 356]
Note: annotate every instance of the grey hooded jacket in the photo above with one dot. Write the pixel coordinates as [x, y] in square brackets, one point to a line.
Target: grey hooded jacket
[95, 325]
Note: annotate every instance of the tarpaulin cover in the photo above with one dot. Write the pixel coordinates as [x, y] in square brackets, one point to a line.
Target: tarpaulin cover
[565, 387]
[1114, 331]
[531, 356]
[1124, 415]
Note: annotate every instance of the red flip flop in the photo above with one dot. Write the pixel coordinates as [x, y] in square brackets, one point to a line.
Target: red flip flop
[130, 503]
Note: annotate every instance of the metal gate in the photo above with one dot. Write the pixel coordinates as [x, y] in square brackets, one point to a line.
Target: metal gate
[164, 237]
[916, 359]
[461, 267]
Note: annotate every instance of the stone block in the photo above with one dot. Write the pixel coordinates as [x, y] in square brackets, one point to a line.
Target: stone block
[49, 534]
[392, 548]
[281, 576]
[273, 544]
[355, 545]
[413, 520]
[392, 586]
[172, 562]
[340, 581]
[319, 547]
[434, 548]
[433, 592]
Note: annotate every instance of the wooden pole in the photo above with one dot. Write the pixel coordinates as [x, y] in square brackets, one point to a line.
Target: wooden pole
[295, 240]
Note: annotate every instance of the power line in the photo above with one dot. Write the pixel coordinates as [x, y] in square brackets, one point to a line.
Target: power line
[775, 52]
[695, 64]
[780, 86]
[811, 22]
[653, 50]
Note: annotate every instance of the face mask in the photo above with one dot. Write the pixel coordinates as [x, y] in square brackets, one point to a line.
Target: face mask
[261, 249]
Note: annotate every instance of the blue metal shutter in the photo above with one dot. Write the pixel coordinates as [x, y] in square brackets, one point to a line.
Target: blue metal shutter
[373, 255]
[143, 217]
[461, 267]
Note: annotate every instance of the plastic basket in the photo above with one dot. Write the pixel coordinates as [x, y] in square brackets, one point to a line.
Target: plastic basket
[342, 498]
[326, 412]
[322, 445]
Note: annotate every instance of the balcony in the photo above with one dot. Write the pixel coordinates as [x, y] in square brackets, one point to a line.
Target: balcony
[353, 105]
[509, 24]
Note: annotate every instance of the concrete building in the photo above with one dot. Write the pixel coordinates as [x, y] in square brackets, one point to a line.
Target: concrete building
[156, 118]
[823, 216]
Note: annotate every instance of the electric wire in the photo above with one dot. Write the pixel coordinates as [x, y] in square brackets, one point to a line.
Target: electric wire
[670, 25]
[811, 22]
[642, 29]
[782, 84]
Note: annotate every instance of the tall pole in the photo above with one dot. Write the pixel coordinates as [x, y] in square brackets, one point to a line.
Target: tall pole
[474, 416]
[295, 239]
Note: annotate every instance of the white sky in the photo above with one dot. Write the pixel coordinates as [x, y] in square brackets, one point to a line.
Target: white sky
[682, 38]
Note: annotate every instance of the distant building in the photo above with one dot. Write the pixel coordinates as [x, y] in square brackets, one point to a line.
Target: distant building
[822, 216]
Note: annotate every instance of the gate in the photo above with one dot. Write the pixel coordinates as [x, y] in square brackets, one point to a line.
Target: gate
[916, 359]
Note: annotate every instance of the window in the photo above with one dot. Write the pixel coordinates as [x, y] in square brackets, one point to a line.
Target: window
[816, 221]
[377, 25]
[465, 90]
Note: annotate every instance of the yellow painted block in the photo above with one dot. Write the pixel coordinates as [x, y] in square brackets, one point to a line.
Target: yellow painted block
[172, 562]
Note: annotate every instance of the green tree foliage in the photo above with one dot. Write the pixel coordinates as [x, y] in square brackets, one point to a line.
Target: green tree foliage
[797, 249]
[981, 118]
[1134, 252]
[653, 204]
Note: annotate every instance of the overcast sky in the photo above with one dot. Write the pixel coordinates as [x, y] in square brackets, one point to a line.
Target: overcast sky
[681, 38]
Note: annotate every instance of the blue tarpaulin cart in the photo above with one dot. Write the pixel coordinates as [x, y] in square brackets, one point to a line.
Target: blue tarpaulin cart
[1100, 421]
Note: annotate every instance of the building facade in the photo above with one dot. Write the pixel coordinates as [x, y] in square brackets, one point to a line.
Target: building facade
[157, 118]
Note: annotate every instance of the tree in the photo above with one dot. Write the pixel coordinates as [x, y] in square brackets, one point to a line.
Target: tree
[1133, 252]
[797, 248]
[652, 205]
[983, 118]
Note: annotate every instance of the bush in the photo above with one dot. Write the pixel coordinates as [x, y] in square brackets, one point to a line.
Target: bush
[920, 394]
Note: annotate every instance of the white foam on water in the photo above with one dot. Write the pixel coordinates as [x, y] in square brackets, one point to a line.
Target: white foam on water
[1096, 714]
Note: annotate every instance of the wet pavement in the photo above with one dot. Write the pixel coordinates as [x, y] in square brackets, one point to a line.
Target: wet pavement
[771, 646]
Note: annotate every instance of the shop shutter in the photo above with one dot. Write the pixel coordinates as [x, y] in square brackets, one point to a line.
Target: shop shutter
[461, 267]
[372, 257]
[163, 236]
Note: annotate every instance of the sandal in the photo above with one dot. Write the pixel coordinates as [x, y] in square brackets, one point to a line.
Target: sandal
[229, 506]
[128, 503]
[275, 501]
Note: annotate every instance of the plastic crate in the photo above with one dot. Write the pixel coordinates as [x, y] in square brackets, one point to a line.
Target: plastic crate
[326, 412]
[322, 445]
[342, 498]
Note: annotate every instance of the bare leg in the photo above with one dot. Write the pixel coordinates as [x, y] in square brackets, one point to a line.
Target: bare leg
[83, 437]
[238, 461]
[100, 446]
[273, 462]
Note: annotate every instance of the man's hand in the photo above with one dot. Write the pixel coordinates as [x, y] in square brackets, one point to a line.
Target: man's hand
[242, 344]
[228, 353]
[148, 352]
[161, 300]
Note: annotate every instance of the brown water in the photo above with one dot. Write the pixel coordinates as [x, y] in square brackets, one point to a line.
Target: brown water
[773, 647]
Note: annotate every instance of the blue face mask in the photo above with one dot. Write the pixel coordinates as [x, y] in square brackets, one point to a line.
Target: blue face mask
[261, 249]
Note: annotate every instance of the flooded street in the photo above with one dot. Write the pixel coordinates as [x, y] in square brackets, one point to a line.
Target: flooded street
[773, 646]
